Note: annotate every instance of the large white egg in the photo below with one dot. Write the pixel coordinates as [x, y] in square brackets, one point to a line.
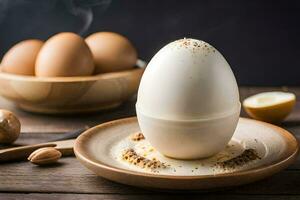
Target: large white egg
[188, 101]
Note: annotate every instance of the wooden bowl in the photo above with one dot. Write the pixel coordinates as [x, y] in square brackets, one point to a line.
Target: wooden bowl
[63, 95]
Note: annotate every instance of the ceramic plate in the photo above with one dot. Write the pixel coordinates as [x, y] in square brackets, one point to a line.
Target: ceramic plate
[257, 150]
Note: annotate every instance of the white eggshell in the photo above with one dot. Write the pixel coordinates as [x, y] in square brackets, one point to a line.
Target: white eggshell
[188, 81]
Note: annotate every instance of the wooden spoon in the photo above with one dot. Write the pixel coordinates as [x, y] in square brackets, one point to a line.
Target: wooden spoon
[21, 153]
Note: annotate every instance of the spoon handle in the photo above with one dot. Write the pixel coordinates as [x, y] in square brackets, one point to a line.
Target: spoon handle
[21, 153]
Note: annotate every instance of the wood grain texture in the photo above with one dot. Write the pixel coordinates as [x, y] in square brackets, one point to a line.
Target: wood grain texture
[70, 180]
[23, 152]
[58, 196]
[69, 95]
[71, 177]
[38, 123]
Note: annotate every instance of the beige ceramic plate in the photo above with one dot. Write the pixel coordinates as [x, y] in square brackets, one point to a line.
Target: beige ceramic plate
[100, 149]
[70, 94]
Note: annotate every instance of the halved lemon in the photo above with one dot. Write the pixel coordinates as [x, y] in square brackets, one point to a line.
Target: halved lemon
[270, 107]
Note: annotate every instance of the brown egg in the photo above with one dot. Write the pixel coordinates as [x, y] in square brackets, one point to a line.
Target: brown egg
[64, 54]
[111, 51]
[20, 59]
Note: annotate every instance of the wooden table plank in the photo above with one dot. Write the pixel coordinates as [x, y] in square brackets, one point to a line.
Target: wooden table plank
[57, 196]
[32, 122]
[71, 177]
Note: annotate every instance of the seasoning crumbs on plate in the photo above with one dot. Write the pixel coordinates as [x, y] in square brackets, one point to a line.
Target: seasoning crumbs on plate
[247, 156]
[132, 157]
[137, 136]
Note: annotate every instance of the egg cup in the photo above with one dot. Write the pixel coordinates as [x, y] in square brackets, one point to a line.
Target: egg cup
[189, 139]
[63, 95]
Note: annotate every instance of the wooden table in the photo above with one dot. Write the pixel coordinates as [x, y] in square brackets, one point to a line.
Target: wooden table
[70, 180]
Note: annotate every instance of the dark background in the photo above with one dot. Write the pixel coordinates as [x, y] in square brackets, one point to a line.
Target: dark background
[260, 39]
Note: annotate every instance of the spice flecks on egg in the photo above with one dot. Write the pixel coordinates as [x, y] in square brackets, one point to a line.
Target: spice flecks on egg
[194, 45]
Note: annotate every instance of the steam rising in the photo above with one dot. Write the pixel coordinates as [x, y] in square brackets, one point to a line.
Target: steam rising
[49, 16]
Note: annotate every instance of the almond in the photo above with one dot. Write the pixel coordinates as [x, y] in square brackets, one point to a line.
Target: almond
[44, 156]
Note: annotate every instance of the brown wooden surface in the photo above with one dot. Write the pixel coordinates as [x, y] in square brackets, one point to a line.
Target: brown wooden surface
[70, 180]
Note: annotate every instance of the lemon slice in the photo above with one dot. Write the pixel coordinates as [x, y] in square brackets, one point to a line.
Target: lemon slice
[271, 107]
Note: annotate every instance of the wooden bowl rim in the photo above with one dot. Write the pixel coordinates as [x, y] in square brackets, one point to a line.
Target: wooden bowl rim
[111, 75]
[290, 154]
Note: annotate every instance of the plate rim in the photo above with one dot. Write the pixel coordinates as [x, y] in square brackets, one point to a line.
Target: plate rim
[81, 156]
